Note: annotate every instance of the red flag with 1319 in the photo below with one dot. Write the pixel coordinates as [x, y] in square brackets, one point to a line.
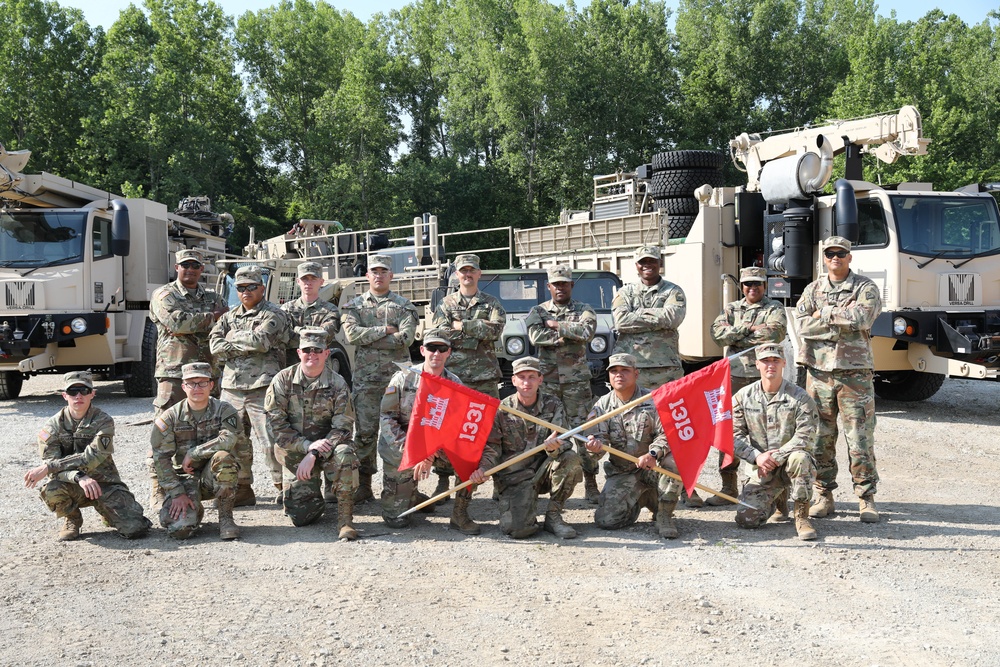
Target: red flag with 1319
[697, 413]
[450, 417]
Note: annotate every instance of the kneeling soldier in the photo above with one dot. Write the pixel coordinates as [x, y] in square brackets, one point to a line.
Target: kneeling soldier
[192, 444]
[76, 446]
[310, 421]
[775, 425]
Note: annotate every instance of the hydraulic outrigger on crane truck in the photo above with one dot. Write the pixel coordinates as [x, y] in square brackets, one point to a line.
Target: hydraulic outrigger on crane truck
[77, 268]
[934, 255]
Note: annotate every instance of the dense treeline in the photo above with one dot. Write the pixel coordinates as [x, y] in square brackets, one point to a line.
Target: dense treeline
[486, 112]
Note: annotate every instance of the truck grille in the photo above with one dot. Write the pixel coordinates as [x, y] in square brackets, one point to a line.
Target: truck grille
[962, 289]
[19, 294]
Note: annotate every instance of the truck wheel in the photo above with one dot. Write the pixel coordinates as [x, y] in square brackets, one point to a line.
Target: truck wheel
[682, 182]
[679, 225]
[340, 363]
[677, 205]
[907, 385]
[10, 385]
[688, 160]
[142, 381]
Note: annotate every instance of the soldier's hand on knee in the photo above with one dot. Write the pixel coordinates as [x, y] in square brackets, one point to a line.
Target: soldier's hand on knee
[186, 464]
[35, 475]
[765, 463]
[179, 506]
[90, 487]
[304, 471]
[323, 446]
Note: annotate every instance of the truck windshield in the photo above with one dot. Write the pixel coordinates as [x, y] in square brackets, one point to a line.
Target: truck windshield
[517, 294]
[946, 226]
[41, 238]
[598, 292]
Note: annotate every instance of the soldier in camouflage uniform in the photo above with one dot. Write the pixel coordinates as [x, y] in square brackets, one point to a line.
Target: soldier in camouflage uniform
[555, 471]
[192, 445]
[184, 313]
[774, 426]
[475, 321]
[251, 340]
[76, 446]
[311, 422]
[311, 311]
[381, 325]
[399, 487]
[834, 318]
[629, 487]
[561, 329]
[753, 320]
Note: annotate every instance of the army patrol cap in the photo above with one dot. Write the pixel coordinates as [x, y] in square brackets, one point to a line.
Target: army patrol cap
[310, 269]
[463, 261]
[644, 251]
[249, 275]
[380, 261]
[189, 255]
[312, 337]
[622, 359]
[527, 364]
[437, 336]
[78, 377]
[560, 274]
[770, 351]
[837, 242]
[197, 369]
[753, 274]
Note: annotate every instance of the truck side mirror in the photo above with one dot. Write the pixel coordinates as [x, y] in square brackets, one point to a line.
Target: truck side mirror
[119, 229]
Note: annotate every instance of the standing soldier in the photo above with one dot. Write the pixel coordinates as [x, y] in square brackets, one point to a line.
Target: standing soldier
[557, 471]
[753, 320]
[312, 422]
[628, 486]
[192, 449]
[251, 340]
[184, 313]
[774, 424]
[562, 328]
[311, 311]
[834, 319]
[76, 446]
[475, 320]
[381, 325]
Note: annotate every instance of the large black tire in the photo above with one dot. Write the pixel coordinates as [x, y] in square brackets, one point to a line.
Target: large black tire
[679, 225]
[682, 182]
[907, 385]
[688, 160]
[677, 205]
[141, 383]
[10, 385]
[342, 365]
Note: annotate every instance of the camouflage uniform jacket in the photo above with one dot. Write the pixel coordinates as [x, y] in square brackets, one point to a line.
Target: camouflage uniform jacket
[732, 328]
[512, 435]
[839, 339]
[784, 423]
[634, 432]
[179, 431]
[647, 318]
[563, 353]
[301, 411]
[473, 358]
[320, 313]
[68, 446]
[364, 319]
[183, 320]
[252, 344]
[397, 404]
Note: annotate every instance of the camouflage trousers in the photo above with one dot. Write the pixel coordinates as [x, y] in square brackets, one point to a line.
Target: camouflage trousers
[442, 466]
[626, 493]
[578, 399]
[116, 505]
[249, 404]
[399, 489]
[652, 377]
[851, 395]
[367, 401]
[217, 476]
[519, 495]
[797, 474]
[303, 498]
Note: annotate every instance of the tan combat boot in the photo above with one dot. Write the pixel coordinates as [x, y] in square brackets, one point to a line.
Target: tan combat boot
[460, 520]
[364, 491]
[867, 507]
[590, 490]
[665, 523]
[345, 516]
[802, 525]
[156, 496]
[72, 523]
[693, 500]
[554, 522]
[245, 496]
[228, 530]
[728, 488]
[780, 509]
[822, 505]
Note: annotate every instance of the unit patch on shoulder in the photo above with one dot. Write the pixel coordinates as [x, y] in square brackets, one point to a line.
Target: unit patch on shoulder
[104, 442]
[231, 422]
[160, 424]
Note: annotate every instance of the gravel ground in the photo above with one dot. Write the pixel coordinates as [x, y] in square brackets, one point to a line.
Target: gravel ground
[919, 588]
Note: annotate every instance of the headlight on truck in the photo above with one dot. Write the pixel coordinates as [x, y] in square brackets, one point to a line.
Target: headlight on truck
[901, 326]
[514, 346]
[598, 344]
[78, 325]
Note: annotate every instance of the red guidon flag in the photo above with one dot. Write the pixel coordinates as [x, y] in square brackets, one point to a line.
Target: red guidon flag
[450, 417]
[697, 413]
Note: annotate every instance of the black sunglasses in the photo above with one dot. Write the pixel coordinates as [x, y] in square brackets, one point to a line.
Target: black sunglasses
[79, 391]
[190, 265]
[247, 288]
[311, 350]
[436, 347]
[753, 283]
[830, 254]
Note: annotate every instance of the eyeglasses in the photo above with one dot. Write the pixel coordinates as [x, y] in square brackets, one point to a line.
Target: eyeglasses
[436, 347]
[246, 288]
[79, 391]
[830, 254]
[311, 350]
[190, 266]
[197, 385]
[751, 284]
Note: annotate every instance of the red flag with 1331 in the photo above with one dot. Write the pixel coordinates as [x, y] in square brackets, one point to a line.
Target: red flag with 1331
[450, 417]
[697, 413]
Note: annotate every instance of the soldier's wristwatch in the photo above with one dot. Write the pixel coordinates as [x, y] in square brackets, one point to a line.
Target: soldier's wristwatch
[78, 476]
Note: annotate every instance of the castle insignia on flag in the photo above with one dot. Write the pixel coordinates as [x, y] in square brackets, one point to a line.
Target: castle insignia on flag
[716, 405]
[439, 406]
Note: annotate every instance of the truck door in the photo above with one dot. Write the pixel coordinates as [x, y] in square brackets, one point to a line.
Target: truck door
[105, 288]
